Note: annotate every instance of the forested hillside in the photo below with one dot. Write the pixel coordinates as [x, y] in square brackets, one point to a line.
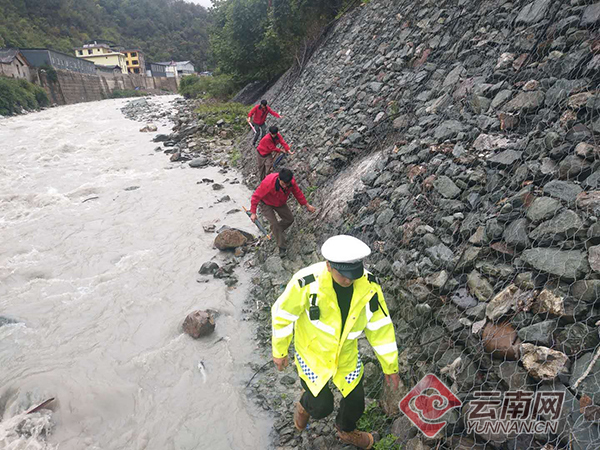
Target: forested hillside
[257, 39]
[163, 29]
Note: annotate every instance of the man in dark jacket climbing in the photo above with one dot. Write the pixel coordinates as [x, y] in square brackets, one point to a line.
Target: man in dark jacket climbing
[272, 194]
[257, 118]
[266, 148]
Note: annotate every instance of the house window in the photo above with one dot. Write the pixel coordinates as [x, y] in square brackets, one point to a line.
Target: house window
[136, 70]
[135, 62]
[133, 54]
[90, 51]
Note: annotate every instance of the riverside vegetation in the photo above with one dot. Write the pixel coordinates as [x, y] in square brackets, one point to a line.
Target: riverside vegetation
[20, 95]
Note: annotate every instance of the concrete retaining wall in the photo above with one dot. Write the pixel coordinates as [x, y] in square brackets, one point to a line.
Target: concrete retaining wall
[73, 87]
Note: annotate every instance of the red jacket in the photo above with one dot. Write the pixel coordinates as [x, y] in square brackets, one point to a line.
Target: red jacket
[259, 115]
[272, 194]
[268, 145]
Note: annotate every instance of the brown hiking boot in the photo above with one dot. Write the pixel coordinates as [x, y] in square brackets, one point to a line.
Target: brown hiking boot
[300, 417]
[360, 439]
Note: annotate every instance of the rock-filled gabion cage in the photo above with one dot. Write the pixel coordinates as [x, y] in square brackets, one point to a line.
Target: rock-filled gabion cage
[459, 140]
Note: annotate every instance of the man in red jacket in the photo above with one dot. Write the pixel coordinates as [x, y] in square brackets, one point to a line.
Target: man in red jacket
[272, 194]
[257, 118]
[266, 147]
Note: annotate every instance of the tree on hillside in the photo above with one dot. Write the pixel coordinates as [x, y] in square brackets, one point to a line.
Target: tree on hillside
[162, 29]
[257, 39]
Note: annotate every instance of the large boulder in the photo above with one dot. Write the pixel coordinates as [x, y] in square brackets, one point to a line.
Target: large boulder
[230, 239]
[199, 323]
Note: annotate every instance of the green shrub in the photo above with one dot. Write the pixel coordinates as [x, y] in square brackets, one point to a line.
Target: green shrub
[234, 114]
[51, 74]
[373, 419]
[220, 87]
[387, 443]
[16, 95]
[126, 93]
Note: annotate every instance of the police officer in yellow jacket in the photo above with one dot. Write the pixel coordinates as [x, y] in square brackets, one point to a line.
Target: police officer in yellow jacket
[327, 306]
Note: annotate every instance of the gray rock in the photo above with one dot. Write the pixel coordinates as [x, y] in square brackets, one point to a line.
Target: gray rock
[513, 375]
[463, 299]
[591, 384]
[593, 181]
[479, 286]
[539, 333]
[525, 102]
[533, 12]
[385, 217]
[563, 190]
[208, 267]
[501, 97]
[446, 187]
[561, 90]
[403, 429]
[568, 264]
[586, 290]
[591, 15]
[201, 161]
[576, 338]
[495, 270]
[516, 234]
[441, 256]
[273, 264]
[594, 257]
[505, 159]
[543, 208]
[566, 224]
[7, 321]
[448, 129]
[573, 167]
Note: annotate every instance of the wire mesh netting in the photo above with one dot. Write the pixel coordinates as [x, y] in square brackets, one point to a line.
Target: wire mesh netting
[480, 201]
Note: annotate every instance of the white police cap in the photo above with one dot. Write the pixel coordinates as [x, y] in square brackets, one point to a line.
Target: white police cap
[345, 254]
[344, 249]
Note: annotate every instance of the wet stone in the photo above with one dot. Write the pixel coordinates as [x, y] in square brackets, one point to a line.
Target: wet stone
[199, 323]
[208, 268]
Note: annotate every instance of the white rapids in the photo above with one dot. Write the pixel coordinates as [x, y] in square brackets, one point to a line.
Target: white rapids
[100, 278]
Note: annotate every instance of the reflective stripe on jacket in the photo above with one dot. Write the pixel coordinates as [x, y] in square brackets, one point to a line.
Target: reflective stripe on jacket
[322, 350]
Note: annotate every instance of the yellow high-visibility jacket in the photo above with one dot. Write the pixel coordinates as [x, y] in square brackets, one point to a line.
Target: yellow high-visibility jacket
[322, 351]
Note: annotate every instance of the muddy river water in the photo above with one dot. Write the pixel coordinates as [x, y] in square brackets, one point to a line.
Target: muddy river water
[100, 244]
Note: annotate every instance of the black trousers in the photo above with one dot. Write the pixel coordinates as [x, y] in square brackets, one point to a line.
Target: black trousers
[351, 407]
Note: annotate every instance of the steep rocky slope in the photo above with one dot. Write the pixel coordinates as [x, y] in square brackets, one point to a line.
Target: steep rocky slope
[458, 138]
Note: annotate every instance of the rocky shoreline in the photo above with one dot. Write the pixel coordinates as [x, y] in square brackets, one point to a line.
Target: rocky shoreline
[469, 163]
